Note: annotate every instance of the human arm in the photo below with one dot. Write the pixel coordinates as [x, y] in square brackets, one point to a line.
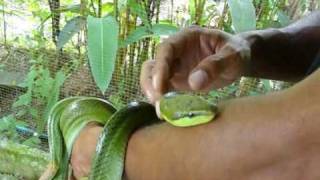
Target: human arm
[285, 53]
[202, 59]
[275, 136]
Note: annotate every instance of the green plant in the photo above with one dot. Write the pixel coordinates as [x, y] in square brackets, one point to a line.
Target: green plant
[42, 92]
[8, 127]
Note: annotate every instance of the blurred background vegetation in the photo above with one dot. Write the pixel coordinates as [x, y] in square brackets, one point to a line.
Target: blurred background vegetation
[50, 49]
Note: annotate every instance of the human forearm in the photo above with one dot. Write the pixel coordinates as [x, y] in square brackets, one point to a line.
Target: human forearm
[251, 135]
[284, 54]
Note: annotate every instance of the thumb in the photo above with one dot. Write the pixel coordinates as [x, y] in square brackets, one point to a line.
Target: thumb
[205, 72]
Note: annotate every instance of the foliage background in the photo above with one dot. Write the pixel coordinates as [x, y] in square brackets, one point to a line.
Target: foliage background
[44, 50]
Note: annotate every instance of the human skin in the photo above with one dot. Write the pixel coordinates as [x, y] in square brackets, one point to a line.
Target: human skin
[274, 136]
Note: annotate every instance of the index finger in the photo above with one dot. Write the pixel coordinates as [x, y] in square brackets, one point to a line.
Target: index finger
[146, 81]
[167, 52]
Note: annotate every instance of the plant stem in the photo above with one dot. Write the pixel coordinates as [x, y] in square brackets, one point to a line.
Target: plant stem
[4, 24]
[99, 8]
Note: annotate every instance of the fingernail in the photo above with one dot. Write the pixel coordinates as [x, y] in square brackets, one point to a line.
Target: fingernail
[198, 79]
[157, 106]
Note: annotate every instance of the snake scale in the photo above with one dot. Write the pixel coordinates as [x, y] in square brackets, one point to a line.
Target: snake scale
[70, 115]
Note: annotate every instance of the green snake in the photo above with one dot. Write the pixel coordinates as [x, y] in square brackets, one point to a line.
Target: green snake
[69, 116]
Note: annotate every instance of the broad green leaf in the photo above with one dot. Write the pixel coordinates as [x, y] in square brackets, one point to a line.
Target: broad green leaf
[102, 48]
[243, 15]
[142, 32]
[72, 27]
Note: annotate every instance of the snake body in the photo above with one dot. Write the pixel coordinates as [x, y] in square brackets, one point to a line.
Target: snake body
[66, 120]
[69, 116]
[109, 161]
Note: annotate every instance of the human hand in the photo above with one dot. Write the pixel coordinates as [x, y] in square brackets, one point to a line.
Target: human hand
[196, 59]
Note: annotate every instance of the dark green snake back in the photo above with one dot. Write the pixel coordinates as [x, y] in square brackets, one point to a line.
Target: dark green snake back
[111, 148]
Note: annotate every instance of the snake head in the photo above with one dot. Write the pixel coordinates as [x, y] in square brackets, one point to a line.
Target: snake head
[185, 109]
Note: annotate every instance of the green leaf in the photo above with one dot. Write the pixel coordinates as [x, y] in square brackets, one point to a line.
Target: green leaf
[164, 29]
[43, 83]
[75, 8]
[32, 142]
[136, 35]
[142, 32]
[102, 49]
[107, 8]
[21, 112]
[140, 11]
[192, 10]
[21, 123]
[70, 29]
[243, 15]
[53, 98]
[283, 19]
[23, 100]
[8, 123]
[34, 112]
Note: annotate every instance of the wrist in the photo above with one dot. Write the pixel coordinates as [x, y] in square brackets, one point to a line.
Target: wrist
[264, 45]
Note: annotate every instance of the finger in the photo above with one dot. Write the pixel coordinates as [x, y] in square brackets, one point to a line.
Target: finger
[167, 53]
[164, 60]
[146, 81]
[206, 72]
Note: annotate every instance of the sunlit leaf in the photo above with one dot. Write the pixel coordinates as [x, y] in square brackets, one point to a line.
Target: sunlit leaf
[243, 15]
[70, 29]
[140, 11]
[107, 8]
[192, 10]
[164, 29]
[75, 8]
[142, 32]
[136, 35]
[102, 48]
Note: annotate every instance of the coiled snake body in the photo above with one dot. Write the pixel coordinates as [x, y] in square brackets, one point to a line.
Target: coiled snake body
[69, 116]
